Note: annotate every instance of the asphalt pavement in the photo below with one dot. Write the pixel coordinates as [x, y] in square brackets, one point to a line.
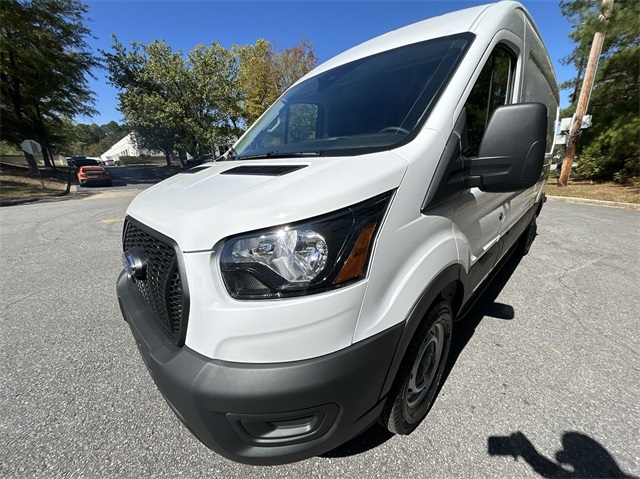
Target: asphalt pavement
[543, 378]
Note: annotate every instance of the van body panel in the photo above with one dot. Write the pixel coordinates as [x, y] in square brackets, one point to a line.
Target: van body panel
[219, 400]
[265, 331]
[188, 207]
[268, 381]
[410, 246]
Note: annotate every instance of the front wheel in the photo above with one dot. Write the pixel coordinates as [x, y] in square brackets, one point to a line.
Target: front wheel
[417, 381]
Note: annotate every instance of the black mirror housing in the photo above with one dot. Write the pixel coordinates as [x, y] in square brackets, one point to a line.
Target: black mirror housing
[511, 154]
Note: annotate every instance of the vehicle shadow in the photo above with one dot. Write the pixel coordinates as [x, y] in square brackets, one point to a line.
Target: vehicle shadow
[464, 329]
[485, 305]
[580, 456]
[371, 438]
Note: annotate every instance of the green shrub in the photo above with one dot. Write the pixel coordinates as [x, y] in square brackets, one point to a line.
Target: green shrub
[630, 173]
[602, 168]
[129, 160]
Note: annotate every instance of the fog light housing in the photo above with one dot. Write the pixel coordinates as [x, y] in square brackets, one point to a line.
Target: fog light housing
[281, 429]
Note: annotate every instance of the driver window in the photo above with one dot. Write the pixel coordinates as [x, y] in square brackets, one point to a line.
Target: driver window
[492, 89]
[303, 121]
[273, 135]
[293, 124]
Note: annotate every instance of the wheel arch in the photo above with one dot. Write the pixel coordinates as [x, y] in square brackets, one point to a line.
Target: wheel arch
[448, 285]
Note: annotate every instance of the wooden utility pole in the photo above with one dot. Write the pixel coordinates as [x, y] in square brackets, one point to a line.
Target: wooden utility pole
[585, 94]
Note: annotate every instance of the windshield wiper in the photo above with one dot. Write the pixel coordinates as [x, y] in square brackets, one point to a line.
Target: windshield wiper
[276, 154]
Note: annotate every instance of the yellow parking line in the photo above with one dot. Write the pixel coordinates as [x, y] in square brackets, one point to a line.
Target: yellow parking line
[113, 220]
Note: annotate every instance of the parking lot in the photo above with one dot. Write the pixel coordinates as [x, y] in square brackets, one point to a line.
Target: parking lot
[543, 378]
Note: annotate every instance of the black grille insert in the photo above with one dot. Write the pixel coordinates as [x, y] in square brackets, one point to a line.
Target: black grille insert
[162, 287]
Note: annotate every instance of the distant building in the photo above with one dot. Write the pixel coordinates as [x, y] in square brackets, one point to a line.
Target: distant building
[125, 147]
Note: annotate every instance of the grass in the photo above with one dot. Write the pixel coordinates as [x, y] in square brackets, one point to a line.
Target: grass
[604, 191]
[17, 183]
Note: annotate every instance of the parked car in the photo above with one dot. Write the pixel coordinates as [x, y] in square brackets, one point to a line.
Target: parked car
[78, 162]
[93, 175]
[290, 295]
[71, 161]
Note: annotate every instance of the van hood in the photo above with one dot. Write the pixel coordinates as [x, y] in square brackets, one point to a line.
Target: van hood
[201, 206]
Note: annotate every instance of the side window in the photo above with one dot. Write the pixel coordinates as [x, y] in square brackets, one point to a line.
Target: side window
[274, 134]
[303, 121]
[492, 89]
[293, 124]
[536, 88]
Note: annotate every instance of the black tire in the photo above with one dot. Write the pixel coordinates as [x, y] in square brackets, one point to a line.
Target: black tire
[527, 238]
[418, 378]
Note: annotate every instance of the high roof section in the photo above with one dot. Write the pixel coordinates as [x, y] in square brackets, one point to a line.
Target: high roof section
[480, 19]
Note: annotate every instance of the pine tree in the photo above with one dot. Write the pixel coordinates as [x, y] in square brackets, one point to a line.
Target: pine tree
[610, 149]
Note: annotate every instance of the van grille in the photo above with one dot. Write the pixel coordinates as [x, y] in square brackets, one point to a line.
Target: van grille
[161, 288]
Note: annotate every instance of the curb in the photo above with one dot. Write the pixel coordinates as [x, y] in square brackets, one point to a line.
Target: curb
[584, 201]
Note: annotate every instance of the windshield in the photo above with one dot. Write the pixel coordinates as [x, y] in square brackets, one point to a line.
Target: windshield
[85, 162]
[370, 104]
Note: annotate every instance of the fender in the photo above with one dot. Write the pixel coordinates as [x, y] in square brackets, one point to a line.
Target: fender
[449, 285]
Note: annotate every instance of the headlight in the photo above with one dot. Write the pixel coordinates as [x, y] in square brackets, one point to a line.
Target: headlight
[315, 255]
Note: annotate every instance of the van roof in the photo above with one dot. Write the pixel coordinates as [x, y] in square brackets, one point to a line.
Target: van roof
[478, 20]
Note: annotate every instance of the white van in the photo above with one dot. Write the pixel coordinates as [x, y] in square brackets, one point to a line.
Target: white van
[288, 297]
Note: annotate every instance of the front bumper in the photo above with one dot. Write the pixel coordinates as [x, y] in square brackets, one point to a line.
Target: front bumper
[264, 413]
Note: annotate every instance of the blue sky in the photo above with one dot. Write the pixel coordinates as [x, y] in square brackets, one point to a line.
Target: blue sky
[333, 26]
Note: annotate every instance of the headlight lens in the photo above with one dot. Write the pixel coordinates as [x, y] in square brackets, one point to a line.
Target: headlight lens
[298, 255]
[316, 255]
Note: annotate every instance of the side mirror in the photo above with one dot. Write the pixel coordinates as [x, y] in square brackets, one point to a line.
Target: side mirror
[511, 154]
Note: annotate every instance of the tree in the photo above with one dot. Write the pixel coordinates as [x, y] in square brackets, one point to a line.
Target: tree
[93, 139]
[213, 113]
[148, 78]
[264, 74]
[294, 63]
[44, 60]
[610, 149]
[174, 103]
[193, 103]
[257, 79]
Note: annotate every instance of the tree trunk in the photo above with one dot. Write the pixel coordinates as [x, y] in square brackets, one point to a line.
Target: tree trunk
[167, 156]
[183, 157]
[48, 157]
[45, 142]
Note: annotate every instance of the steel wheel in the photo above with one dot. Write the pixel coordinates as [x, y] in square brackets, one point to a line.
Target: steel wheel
[417, 380]
[425, 366]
